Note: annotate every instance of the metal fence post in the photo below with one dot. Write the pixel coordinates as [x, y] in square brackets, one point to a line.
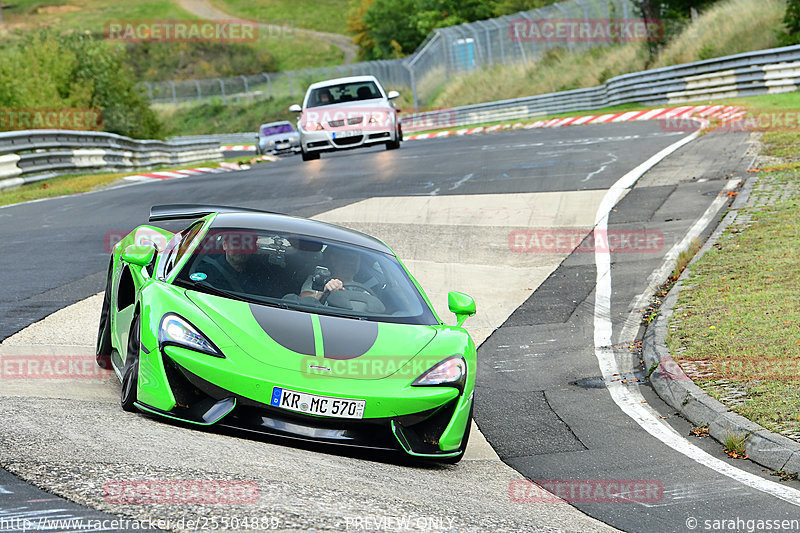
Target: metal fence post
[502, 37]
[222, 88]
[289, 77]
[174, 94]
[246, 87]
[269, 84]
[199, 92]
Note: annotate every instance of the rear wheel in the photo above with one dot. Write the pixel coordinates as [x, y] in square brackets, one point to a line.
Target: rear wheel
[103, 351]
[130, 375]
[310, 156]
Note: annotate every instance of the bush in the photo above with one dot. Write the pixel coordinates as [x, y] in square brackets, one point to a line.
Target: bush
[76, 71]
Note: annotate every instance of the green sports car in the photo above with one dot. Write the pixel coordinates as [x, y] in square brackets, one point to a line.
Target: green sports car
[286, 326]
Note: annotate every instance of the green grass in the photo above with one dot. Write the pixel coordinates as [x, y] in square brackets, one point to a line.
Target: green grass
[271, 52]
[214, 117]
[729, 27]
[739, 311]
[321, 15]
[79, 183]
[85, 15]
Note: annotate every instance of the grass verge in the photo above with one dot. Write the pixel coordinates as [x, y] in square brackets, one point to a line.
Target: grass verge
[80, 183]
[734, 329]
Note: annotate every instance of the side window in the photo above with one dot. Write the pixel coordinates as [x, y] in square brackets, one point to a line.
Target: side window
[180, 246]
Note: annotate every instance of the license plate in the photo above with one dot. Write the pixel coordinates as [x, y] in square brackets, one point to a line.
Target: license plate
[346, 133]
[317, 405]
[281, 146]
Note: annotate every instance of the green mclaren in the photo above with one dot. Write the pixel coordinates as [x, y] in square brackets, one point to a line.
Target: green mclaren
[285, 326]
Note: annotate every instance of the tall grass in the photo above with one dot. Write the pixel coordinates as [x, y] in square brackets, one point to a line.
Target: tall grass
[729, 27]
[557, 70]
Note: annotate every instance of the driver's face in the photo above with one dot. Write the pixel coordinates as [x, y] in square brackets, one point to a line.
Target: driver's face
[345, 264]
[237, 252]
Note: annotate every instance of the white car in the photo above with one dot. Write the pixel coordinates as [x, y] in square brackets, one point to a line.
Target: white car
[347, 113]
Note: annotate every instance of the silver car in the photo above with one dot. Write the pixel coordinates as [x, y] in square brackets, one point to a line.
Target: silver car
[347, 113]
[277, 138]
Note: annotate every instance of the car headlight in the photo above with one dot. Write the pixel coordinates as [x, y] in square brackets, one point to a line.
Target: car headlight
[450, 372]
[177, 331]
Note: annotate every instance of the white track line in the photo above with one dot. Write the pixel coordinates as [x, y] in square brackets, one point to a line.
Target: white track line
[630, 400]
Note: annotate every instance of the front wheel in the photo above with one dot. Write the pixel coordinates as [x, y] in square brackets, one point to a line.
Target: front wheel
[103, 350]
[395, 144]
[310, 156]
[130, 375]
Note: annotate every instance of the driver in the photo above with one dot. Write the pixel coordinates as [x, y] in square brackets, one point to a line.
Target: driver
[324, 97]
[344, 265]
[239, 269]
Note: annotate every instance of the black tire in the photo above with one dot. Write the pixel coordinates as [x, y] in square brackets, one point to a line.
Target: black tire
[130, 375]
[103, 349]
[464, 441]
[309, 156]
[395, 144]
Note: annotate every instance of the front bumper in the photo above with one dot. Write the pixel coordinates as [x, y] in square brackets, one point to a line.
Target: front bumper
[329, 141]
[192, 393]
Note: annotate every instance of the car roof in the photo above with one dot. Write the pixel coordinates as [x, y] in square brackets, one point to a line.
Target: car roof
[300, 226]
[339, 81]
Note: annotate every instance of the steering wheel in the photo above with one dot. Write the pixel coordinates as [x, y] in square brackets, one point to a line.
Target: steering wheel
[353, 285]
[359, 298]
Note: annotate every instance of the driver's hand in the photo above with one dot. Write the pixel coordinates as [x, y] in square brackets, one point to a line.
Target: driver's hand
[334, 285]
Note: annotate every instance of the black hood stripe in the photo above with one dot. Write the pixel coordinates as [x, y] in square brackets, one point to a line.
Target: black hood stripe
[291, 329]
[344, 338]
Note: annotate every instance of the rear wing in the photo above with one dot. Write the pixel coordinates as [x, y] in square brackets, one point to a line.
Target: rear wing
[192, 211]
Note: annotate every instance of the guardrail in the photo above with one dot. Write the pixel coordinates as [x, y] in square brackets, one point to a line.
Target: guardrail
[752, 73]
[26, 154]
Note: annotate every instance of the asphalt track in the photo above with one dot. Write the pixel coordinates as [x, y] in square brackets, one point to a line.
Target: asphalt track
[540, 400]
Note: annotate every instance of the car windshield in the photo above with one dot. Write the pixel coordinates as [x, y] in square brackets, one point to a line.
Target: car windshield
[345, 92]
[275, 129]
[306, 274]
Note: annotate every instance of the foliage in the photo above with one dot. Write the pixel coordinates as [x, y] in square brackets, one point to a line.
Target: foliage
[385, 29]
[75, 71]
[181, 61]
[791, 20]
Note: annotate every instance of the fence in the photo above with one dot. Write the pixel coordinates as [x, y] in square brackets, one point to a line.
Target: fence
[445, 52]
[27, 153]
[765, 71]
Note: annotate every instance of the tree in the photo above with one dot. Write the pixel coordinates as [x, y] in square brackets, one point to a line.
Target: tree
[791, 20]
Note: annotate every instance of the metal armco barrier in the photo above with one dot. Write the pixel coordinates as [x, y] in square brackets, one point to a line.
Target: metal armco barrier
[766, 71]
[26, 153]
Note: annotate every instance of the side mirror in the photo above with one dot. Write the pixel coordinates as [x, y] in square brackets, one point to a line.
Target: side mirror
[392, 95]
[139, 254]
[461, 304]
[294, 108]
